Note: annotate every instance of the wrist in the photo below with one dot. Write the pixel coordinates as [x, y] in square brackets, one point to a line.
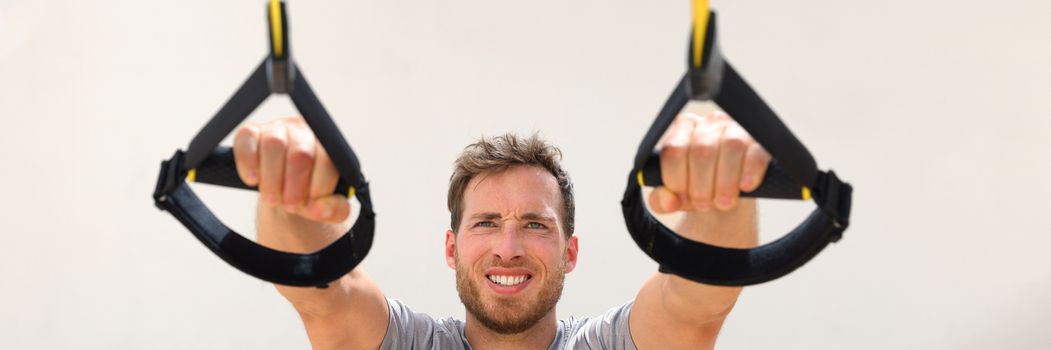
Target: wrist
[292, 233]
[734, 228]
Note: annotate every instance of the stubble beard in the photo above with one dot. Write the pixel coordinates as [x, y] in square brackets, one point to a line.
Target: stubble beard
[509, 315]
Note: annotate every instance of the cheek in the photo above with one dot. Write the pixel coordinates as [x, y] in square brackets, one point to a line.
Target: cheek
[469, 252]
[550, 253]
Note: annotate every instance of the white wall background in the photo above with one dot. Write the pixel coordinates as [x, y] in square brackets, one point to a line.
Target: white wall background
[937, 112]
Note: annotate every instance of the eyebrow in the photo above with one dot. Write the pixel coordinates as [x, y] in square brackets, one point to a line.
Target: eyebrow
[531, 216]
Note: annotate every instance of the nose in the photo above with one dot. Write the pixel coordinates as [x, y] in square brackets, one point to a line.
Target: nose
[508, 244]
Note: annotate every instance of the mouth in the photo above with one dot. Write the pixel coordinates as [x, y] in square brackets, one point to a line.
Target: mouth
[508, 283]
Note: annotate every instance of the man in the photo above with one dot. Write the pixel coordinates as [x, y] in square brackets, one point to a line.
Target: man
[511, 242]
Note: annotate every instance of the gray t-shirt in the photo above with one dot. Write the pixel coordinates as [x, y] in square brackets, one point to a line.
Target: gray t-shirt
[412, 330]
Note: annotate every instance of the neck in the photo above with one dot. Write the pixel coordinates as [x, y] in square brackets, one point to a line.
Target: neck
[539, 336]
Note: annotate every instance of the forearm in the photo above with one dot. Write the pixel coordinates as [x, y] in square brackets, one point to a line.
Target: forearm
[697, 303]
[293, 171]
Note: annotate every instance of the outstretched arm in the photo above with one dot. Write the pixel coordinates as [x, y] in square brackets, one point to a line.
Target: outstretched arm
[705, 161]
[298, 213]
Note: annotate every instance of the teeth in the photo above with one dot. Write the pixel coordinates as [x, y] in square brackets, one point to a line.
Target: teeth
[507, 280]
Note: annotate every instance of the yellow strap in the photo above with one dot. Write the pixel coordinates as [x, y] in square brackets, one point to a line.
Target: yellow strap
[806, 193]
[700, 29]
[191, 176]
[639, 176]
[275, 28]
[350, 193]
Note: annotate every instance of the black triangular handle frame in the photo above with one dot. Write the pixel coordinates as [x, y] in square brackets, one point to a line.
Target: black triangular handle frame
[717, 80]
[205, 160]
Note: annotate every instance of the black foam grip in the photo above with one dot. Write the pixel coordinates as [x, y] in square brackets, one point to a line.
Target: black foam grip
[220, 169]
[776, 183]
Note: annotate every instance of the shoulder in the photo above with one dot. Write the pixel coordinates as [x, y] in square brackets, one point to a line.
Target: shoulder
[606, 331]
[408, 329]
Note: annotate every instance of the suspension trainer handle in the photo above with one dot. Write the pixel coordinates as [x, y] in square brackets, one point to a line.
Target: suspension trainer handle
[792, 174]
[204, 161]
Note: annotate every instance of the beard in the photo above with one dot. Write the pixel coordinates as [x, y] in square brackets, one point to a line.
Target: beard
[509, 315]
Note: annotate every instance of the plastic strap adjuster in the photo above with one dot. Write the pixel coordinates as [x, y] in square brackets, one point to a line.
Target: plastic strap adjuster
[833, 196]
[168, 179]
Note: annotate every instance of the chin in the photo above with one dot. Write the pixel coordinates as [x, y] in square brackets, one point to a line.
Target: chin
[509, 309]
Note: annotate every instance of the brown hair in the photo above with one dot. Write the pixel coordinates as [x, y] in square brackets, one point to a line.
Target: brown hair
[495, 154]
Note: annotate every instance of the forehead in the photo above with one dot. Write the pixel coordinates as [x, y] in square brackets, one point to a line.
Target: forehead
[518, 188]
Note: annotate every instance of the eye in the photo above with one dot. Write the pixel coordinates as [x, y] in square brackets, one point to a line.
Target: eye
[536, 225]
[485, 224]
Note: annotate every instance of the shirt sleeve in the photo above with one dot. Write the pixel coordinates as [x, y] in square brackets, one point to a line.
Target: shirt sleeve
[407, 329]
[609, 331]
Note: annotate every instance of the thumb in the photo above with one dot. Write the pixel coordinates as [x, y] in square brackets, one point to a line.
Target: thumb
[331, 209]
[663, 200]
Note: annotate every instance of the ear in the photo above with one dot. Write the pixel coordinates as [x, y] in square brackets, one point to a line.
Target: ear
[571, 253]
[450, 248]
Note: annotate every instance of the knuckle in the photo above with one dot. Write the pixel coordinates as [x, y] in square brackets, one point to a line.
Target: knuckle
[764, 155]
[246, 132]
[294, 120]
[300, 158]
[322, 161]
[690, 117]
[273, 140]
[757, 157]
[703, 149]
[757, 163]
[735, 143]
[673, 152]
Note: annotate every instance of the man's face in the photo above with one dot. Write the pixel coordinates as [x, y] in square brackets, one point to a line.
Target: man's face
[510, 254]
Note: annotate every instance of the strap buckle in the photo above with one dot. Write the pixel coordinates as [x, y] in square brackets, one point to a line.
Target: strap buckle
[168, 179]
[834, 196]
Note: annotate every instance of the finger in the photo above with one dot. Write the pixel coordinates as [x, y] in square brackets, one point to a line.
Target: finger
[246, 154]
[332, 209]
[732, 148]
[299, 163]
[272, 142]
[674, 152]
[663, 200]
[325, 175]
[703, 157]
[719, 116]
[756, 161]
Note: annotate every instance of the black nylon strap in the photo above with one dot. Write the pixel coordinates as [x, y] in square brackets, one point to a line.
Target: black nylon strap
[315, 269]
[741, 102]
[676, 101]
[709, 264]
[251, 93]
[325, 129]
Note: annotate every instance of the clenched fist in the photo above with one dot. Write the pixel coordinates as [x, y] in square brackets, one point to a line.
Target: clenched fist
[706, 161]
[291, 168]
